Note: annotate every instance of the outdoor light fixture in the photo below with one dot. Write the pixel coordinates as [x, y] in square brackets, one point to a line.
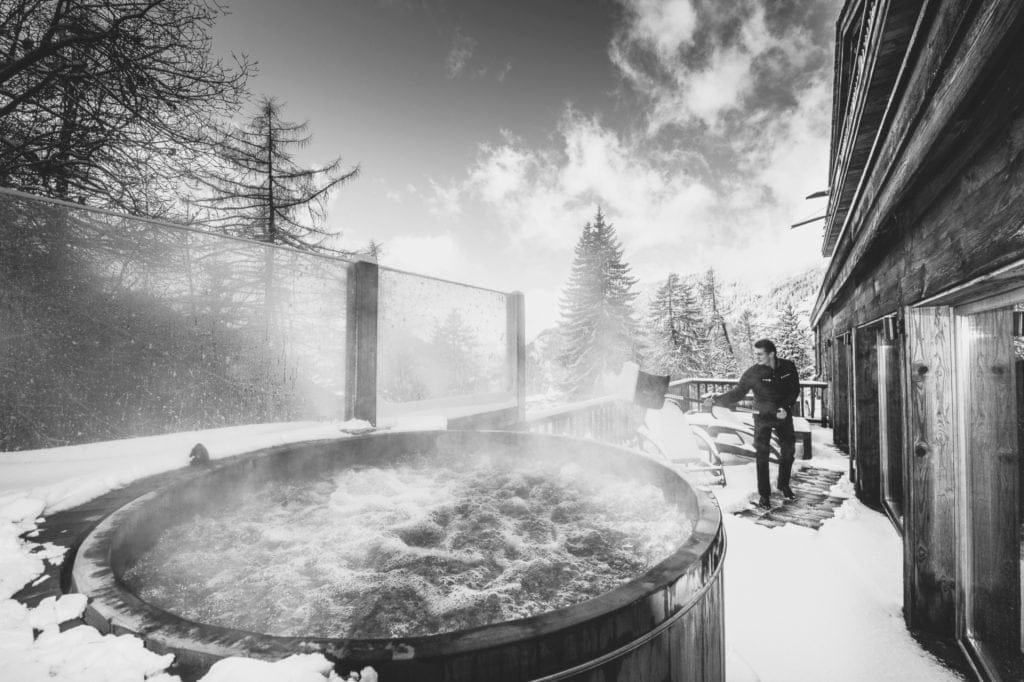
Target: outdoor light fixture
[890, 328]
[1018, 322]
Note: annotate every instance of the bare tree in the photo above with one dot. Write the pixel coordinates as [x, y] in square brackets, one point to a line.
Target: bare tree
[103, 101]
[257, 190]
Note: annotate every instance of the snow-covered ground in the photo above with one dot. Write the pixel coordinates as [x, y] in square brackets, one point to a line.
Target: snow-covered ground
[800, 604]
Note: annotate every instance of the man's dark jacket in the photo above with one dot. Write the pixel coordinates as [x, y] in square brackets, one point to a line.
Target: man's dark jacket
[773, 388]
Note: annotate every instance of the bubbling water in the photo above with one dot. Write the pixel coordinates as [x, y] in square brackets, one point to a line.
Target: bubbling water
[418, 548]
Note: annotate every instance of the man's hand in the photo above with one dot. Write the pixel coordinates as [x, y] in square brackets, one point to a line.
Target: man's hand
[708, 402]
[780, 413]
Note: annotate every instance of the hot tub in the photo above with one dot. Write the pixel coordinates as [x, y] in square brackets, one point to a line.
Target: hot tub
[664, 623]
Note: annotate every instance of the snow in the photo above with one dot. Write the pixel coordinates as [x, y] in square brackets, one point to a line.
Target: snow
[802, 604]
[78, 654]
[64, 477]
[297, 668]
[37, 482]
[799, 604]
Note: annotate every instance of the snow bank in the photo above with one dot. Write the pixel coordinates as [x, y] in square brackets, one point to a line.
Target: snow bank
[826, 455]
[37, 482]
[297, 668]
[81, 654]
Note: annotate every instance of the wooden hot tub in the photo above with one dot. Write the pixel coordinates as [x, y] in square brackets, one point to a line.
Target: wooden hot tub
[663, 625]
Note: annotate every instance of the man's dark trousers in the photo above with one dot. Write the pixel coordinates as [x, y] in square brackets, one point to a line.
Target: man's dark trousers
[763, 425]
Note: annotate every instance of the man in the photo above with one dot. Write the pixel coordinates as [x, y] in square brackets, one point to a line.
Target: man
[776, 385]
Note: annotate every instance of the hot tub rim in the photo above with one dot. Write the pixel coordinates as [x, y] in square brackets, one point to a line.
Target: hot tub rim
[708, 530]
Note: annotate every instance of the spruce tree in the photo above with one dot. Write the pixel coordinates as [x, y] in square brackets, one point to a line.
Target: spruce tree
[597, 322]
[747, 332]
[721, 360]
[793, 341]
[456, 349]
[672, 329]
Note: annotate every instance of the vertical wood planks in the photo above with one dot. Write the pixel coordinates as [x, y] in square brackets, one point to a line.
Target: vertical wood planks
[930, 524]
[991, 466]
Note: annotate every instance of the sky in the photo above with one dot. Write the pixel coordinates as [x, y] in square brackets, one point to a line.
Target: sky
[489, 132]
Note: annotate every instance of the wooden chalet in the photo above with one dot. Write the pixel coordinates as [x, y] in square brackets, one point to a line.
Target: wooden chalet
[920, 317]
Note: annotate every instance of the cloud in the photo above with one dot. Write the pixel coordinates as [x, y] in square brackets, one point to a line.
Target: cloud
[662, 25]
[460, 54]
[717, 63]
[502, 171]
[672, 212]
[444, 202]
[504, 71]
[543, 197]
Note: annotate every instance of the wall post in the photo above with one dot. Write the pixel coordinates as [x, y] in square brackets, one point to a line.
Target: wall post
[362, 297]
[516, 350]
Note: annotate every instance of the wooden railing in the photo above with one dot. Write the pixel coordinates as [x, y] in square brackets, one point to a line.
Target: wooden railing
[608, 419]
[811, 404]
[616, 421]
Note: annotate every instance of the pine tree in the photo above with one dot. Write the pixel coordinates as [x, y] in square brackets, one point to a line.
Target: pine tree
[721, 360]
[597, 318]
[672, 329]
[456, 349]
[257, 190]
[793, 341]
[705, 359]
[747, 332]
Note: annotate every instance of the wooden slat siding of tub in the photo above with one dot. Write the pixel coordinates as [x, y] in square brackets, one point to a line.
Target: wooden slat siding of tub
[930, 525]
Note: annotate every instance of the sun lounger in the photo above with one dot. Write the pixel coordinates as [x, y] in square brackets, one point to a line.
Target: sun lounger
[668, 436]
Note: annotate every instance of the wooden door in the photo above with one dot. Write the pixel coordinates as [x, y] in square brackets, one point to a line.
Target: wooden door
[841, 387]
[865, 447]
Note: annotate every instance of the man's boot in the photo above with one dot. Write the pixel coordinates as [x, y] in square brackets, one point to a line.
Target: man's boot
[787, 492]
[764, 502]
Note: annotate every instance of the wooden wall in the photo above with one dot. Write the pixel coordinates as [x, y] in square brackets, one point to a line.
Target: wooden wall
[943, 203]
[929, 568]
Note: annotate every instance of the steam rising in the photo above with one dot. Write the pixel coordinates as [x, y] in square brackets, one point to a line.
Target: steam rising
[412, 549]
